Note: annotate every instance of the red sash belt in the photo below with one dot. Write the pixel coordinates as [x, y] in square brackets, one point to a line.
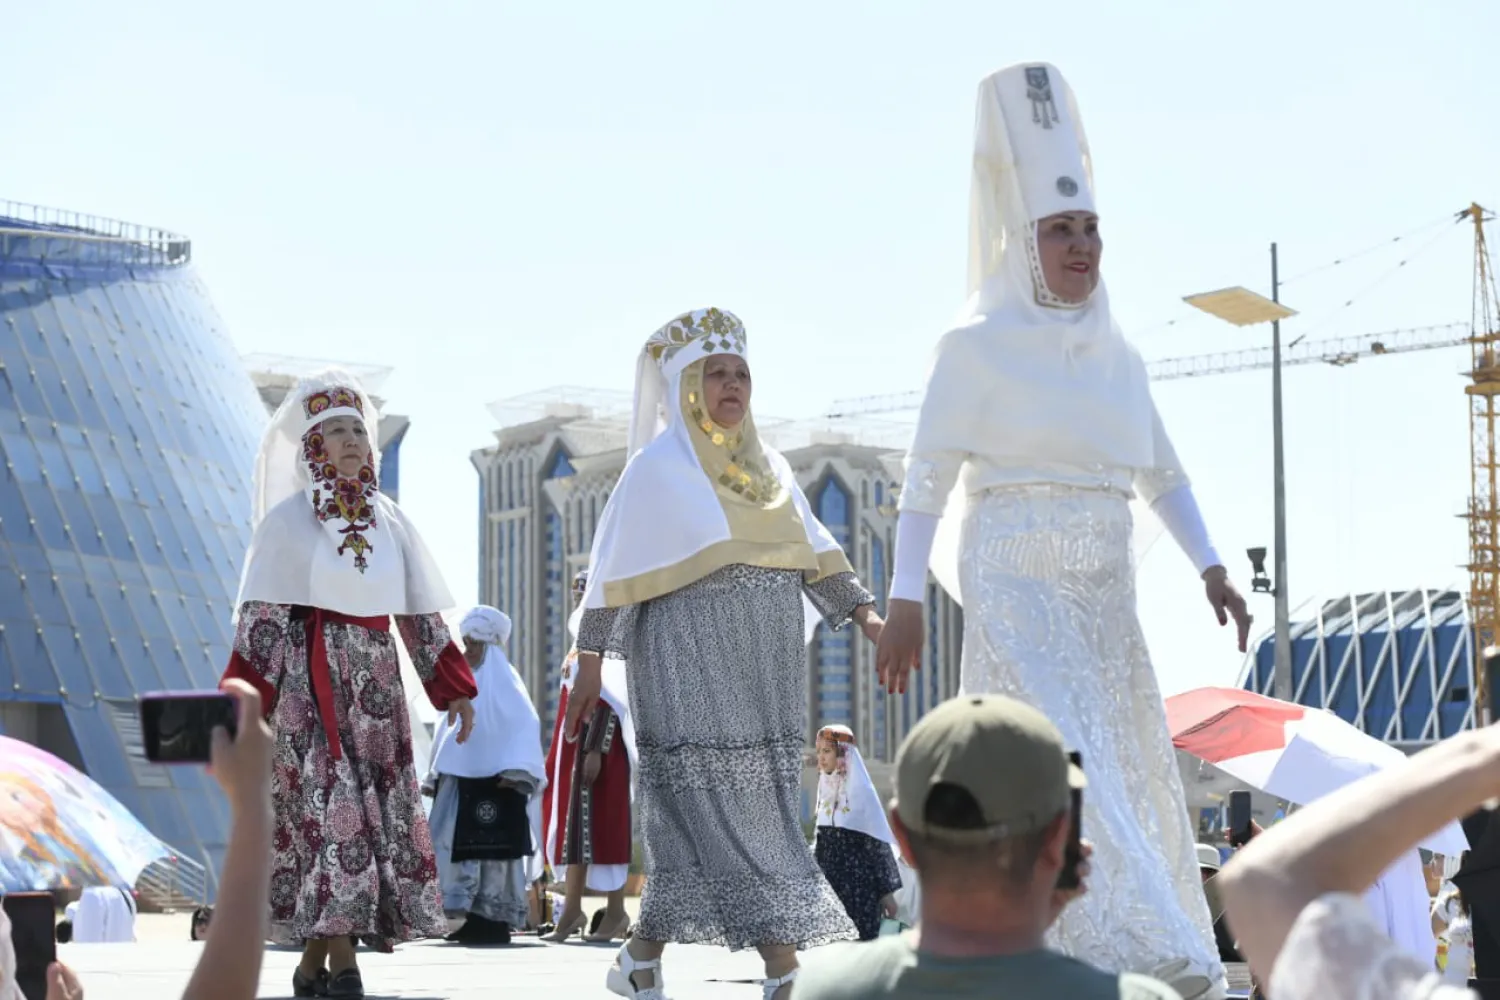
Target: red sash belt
[318, 667]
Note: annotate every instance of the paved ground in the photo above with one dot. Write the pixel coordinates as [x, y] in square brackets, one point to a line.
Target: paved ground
[158, 965]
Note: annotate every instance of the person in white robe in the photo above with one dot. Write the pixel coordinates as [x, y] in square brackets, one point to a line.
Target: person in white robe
[1037, 430]
[491, 896]
[105, 915]
[9, 988]
[1400, 905]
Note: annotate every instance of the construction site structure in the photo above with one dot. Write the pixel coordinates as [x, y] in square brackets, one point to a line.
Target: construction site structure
[1483, 515]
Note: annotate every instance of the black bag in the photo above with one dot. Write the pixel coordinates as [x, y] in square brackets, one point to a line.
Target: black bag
[492, 823]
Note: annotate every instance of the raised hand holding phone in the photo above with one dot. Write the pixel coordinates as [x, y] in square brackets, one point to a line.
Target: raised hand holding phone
[241, 758]
[1240, 818]
[1070, 877]
[177, 726]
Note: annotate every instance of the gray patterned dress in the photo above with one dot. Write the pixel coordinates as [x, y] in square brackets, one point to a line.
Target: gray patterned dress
[718, 690]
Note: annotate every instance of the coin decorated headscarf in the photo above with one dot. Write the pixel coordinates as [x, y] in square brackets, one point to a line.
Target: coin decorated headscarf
[696, 497]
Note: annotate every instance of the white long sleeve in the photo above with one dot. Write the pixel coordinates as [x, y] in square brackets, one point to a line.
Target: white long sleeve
[915, 531]
[1178, 510]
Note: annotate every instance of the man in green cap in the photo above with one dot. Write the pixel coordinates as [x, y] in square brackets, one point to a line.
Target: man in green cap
[983, 809]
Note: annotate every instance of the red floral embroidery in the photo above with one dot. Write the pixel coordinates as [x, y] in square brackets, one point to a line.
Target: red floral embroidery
[336, 498]
[333, 398]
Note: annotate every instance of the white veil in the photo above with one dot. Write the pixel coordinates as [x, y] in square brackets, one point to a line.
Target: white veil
[292, 560]
[1031, 160]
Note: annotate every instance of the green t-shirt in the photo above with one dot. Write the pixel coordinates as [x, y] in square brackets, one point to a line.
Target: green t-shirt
[890, 967]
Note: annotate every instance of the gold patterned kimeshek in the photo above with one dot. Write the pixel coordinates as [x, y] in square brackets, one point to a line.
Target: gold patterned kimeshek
[696, 497]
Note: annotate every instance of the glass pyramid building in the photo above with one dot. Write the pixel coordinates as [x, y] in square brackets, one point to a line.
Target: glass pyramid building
[128, 427]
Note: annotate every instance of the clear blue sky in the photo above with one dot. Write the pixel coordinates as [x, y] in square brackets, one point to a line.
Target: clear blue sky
[498, 197]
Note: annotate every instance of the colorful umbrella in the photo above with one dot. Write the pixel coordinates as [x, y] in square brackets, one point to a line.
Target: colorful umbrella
[58, 829]
[1290, 751]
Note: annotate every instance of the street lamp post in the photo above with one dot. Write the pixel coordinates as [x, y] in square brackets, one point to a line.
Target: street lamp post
[1242, 307]
[1282, 672]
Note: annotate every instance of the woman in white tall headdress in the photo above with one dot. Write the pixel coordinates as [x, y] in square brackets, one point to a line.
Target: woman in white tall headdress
[704, 562]
[855, 846]
[495, 776]
[1037, 429]
[331, 562]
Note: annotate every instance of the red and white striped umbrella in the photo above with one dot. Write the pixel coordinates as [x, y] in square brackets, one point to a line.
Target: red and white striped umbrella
[1290, 751]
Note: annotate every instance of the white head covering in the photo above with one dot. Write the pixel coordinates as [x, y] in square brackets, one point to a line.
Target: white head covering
[1026, 378]
[507, 734]
[326, 542]
[9, 988]
[847, 797]
[695, 497]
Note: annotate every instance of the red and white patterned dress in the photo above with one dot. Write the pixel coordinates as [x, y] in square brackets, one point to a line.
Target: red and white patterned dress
[588, 824]
[352, 854]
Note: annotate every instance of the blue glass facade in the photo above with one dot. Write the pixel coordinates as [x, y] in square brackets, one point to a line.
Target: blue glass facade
[390, 465]
[1396, 664]
[879, 584]
[834, 689]
[128, 430]
[556, 587]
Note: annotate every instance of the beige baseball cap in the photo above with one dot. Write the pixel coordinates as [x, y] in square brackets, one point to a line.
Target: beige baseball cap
[1003, 752]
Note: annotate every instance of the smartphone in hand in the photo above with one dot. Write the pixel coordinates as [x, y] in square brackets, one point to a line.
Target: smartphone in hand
[1073, 853]
[1239, 818]
[33, 932]
[1491, 666]
[177, 726]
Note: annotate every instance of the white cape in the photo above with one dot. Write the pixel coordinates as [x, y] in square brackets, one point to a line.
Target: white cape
[291, 561]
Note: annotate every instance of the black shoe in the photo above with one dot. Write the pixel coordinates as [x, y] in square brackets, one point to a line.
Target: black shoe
[347, 984]
[302, 986]
[481, 931]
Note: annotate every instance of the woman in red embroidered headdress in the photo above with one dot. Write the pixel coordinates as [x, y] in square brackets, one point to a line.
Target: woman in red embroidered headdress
[331, 561]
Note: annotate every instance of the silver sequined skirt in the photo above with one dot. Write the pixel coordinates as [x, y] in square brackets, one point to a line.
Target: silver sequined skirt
[1050, 618]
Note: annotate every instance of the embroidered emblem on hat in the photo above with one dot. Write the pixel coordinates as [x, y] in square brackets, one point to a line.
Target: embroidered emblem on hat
[1067, 187]
[713, 330]
[337, 396]
[1039, 91]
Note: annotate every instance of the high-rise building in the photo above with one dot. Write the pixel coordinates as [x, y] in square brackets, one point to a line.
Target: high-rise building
[128, 428]
[1396, 664]
[544, 483]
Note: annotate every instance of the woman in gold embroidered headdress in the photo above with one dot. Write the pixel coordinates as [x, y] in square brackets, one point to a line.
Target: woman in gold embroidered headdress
[706, 561]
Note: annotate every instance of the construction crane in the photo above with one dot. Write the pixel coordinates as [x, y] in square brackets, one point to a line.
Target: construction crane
[1483, 515]
[1337, 351]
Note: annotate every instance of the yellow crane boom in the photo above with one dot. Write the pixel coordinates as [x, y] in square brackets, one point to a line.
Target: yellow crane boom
[1483, 515]
[1336, 351]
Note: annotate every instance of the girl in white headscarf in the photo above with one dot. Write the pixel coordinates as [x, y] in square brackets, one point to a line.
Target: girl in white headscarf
[854, 845]
[499, 769]
[704, 563]
[1037, 428]
[331, 562]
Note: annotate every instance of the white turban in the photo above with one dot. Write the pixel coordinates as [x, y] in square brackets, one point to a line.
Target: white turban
[486, 624]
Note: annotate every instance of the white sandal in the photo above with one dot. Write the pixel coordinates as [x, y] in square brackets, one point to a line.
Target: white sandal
[770, 986]
[1190, 982]
[626, 965]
